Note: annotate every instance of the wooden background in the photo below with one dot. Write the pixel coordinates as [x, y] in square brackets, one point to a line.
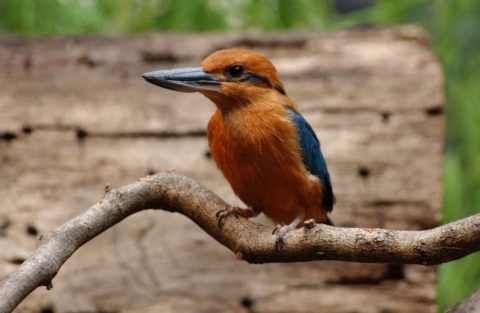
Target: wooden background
[76, 114]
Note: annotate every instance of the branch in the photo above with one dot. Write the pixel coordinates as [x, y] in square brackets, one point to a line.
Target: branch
[469, 305]
[249, 241]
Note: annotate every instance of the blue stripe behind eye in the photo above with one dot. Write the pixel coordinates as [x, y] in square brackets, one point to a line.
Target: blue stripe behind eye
[255, 79]
[250, 77]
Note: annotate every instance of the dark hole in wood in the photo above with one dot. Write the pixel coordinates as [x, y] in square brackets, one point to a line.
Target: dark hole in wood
[32, 230]
[363, 171]
[395, 271]
[386, 117]
[81, 134]
[27, 129]
[8, 136]
[246, 302]
[17, 261]
[47, 310]
[434, 111]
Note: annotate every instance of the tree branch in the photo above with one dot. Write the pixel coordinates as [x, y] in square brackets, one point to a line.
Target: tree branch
[249, 241]
[469, 305]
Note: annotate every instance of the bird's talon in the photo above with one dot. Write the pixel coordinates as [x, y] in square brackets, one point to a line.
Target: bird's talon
[221, 215]
[220, 222]
[276, 229]
[281, 231]
[279, 243]
[236, 211]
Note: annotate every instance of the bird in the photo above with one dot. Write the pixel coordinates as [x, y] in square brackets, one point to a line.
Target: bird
[264, 147]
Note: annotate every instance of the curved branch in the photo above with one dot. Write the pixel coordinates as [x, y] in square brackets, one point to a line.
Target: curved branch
[249, 241]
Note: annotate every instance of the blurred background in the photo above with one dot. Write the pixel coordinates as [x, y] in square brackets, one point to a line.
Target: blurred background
[453, 26]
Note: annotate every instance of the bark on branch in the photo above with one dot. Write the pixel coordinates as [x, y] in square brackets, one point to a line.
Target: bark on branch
[249, 241]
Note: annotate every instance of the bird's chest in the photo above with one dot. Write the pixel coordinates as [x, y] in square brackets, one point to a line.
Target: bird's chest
[254, 152]
[247, 144]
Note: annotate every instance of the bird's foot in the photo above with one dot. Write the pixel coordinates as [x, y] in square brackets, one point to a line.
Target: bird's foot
[281, 232]
[233, 210]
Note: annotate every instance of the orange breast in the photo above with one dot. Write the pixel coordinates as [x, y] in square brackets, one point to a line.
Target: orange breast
[259, 154]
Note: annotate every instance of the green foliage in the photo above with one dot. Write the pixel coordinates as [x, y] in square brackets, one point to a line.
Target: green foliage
[193, 15]
[49, 17]
[457, 43]
[283, 14]
[453, 25]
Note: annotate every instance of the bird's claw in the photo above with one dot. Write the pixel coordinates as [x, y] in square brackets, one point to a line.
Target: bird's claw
[276, 229]
[282, 231]
[279, 243]
[224, 213]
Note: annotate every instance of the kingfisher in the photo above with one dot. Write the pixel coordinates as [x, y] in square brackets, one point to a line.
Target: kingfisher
[264, 147]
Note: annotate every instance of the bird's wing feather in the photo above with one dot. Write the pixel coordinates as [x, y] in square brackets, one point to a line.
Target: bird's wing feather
[312, 157]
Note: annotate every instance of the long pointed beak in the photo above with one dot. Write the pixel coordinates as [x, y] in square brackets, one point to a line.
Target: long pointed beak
[190, 79]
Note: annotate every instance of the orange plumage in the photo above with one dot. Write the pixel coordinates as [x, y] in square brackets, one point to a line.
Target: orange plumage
[265, 149]
[253, 161]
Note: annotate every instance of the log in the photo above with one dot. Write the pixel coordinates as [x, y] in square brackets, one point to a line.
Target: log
[75, 114]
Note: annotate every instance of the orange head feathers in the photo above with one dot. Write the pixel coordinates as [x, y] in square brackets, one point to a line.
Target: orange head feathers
[266, 150]
[234, 66]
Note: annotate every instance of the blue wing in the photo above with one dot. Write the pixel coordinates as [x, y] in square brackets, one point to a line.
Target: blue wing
[313, 158]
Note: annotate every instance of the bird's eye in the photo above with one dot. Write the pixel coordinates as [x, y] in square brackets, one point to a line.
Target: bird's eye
[236, 71]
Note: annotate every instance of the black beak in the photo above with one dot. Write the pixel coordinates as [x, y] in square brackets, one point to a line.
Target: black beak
[190, 79]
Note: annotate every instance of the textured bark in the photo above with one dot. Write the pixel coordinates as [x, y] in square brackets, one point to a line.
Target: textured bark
[249, 241]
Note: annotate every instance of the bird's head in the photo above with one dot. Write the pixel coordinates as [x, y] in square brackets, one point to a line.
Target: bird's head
[229, 78]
